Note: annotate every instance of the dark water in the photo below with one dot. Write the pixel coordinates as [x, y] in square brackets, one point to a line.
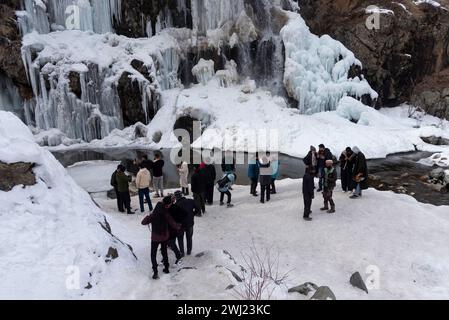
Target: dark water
[399, 170]
[290, 167]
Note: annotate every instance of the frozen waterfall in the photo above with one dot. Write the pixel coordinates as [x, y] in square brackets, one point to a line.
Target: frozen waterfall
[317, 69]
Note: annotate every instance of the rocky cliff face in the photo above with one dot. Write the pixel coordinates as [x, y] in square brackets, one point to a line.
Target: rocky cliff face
[410, 48]
[11, 65]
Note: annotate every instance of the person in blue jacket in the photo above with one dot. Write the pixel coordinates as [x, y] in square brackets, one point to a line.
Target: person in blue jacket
[253, 173]
[224, 186]
[275, 165]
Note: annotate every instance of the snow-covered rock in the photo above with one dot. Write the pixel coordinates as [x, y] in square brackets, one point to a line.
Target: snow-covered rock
[54, 241]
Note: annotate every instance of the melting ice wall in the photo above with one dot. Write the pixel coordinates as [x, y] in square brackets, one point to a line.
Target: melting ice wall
[317, 69]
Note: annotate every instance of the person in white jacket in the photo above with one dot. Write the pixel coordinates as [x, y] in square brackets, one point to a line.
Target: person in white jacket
[143, 181]
[183, 170]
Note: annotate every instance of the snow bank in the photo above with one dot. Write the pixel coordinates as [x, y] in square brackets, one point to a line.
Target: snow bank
[317, 69]
[50, 232]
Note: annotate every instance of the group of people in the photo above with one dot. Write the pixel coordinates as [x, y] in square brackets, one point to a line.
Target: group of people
[321, 164]
[172, 219]
[149, 171]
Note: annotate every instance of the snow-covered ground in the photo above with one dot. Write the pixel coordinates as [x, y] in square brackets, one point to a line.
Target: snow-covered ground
[404, 239]
[54, 224]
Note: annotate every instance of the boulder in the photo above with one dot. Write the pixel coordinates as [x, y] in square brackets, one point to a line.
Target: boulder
[437, 141]
[112, 254]
[357, 281]
[437, 174]
[14, 174]
[304, 288]
[323, 293]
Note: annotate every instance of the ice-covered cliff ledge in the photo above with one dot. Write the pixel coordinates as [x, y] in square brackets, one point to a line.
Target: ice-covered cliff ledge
[317, 69]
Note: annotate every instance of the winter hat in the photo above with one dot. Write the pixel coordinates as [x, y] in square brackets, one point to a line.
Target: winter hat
[312, 148]
[167, 201]
[178, 195]
[356, 150]
[329, 162]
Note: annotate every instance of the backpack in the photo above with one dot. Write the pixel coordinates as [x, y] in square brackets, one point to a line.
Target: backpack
[223, 182]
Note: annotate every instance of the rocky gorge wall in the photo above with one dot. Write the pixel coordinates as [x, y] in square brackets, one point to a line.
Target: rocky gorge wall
[406, 60]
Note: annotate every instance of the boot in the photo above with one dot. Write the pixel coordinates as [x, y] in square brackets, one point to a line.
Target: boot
[307, 219]
[155, 275]
[166, 271]
[230, 205]
[325, 208]
[332, 210]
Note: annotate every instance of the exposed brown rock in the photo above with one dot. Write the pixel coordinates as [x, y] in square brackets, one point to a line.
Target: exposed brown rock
[16, 174]
[11, 64]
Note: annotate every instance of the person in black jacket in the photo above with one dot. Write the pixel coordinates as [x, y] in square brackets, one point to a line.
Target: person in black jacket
[158, 176]
[148, 164]
[210, 175]
[308, 187]
[198, 186]
[178, 216]
[323, 155]
[191, 210]
[115, 185]
[360, 173]
[346, 167]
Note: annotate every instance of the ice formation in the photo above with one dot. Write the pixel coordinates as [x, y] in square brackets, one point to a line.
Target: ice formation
[99, 61]
[45, 16]
[204, 71]
[212, 14]
[317, 69]
[243, 36]
[229, 76]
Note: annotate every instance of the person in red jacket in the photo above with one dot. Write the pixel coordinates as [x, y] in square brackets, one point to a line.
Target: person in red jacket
[160, 221]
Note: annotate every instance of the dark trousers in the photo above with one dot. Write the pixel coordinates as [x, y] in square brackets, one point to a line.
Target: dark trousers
[307, 206]
[125, 199]
[254, 182]
[145, 193]
[222, 194]
[119, 201]
[189, 237]
[320, 172]
[185, 191]
[264, 190]
[209, 194]
[200, 201]
[327, 196]
[346, 180]
[154, 246]
[174, 248]
[273, 186]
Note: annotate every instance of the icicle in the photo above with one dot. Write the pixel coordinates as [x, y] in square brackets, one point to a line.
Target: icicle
[10, 99]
